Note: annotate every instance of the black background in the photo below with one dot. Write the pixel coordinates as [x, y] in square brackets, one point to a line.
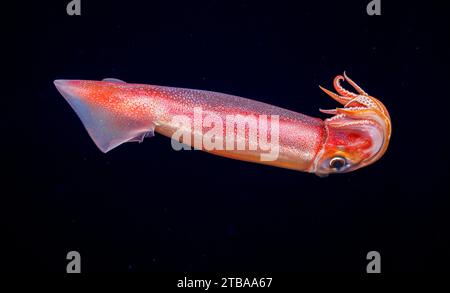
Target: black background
[145, 207]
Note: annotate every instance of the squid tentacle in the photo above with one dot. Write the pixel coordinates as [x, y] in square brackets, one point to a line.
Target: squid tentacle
[354, 85]
[342, 91]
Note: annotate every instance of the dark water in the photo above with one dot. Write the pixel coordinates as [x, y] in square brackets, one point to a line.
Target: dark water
[145, 207]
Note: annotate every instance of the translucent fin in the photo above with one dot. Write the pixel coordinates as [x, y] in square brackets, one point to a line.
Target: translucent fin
[113, 80]
[107, 128]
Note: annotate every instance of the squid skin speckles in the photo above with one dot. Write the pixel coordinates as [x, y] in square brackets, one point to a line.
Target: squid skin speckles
[114, 112]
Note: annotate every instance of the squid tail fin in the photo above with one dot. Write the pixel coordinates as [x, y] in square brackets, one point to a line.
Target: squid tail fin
[107, 125]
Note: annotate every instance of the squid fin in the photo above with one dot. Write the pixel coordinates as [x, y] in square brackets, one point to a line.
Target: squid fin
[113, 80]
[108, 129]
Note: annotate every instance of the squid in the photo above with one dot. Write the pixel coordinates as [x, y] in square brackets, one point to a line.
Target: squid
[114, 112]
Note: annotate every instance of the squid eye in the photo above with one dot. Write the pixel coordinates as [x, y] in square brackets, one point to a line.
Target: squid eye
[337, 163]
